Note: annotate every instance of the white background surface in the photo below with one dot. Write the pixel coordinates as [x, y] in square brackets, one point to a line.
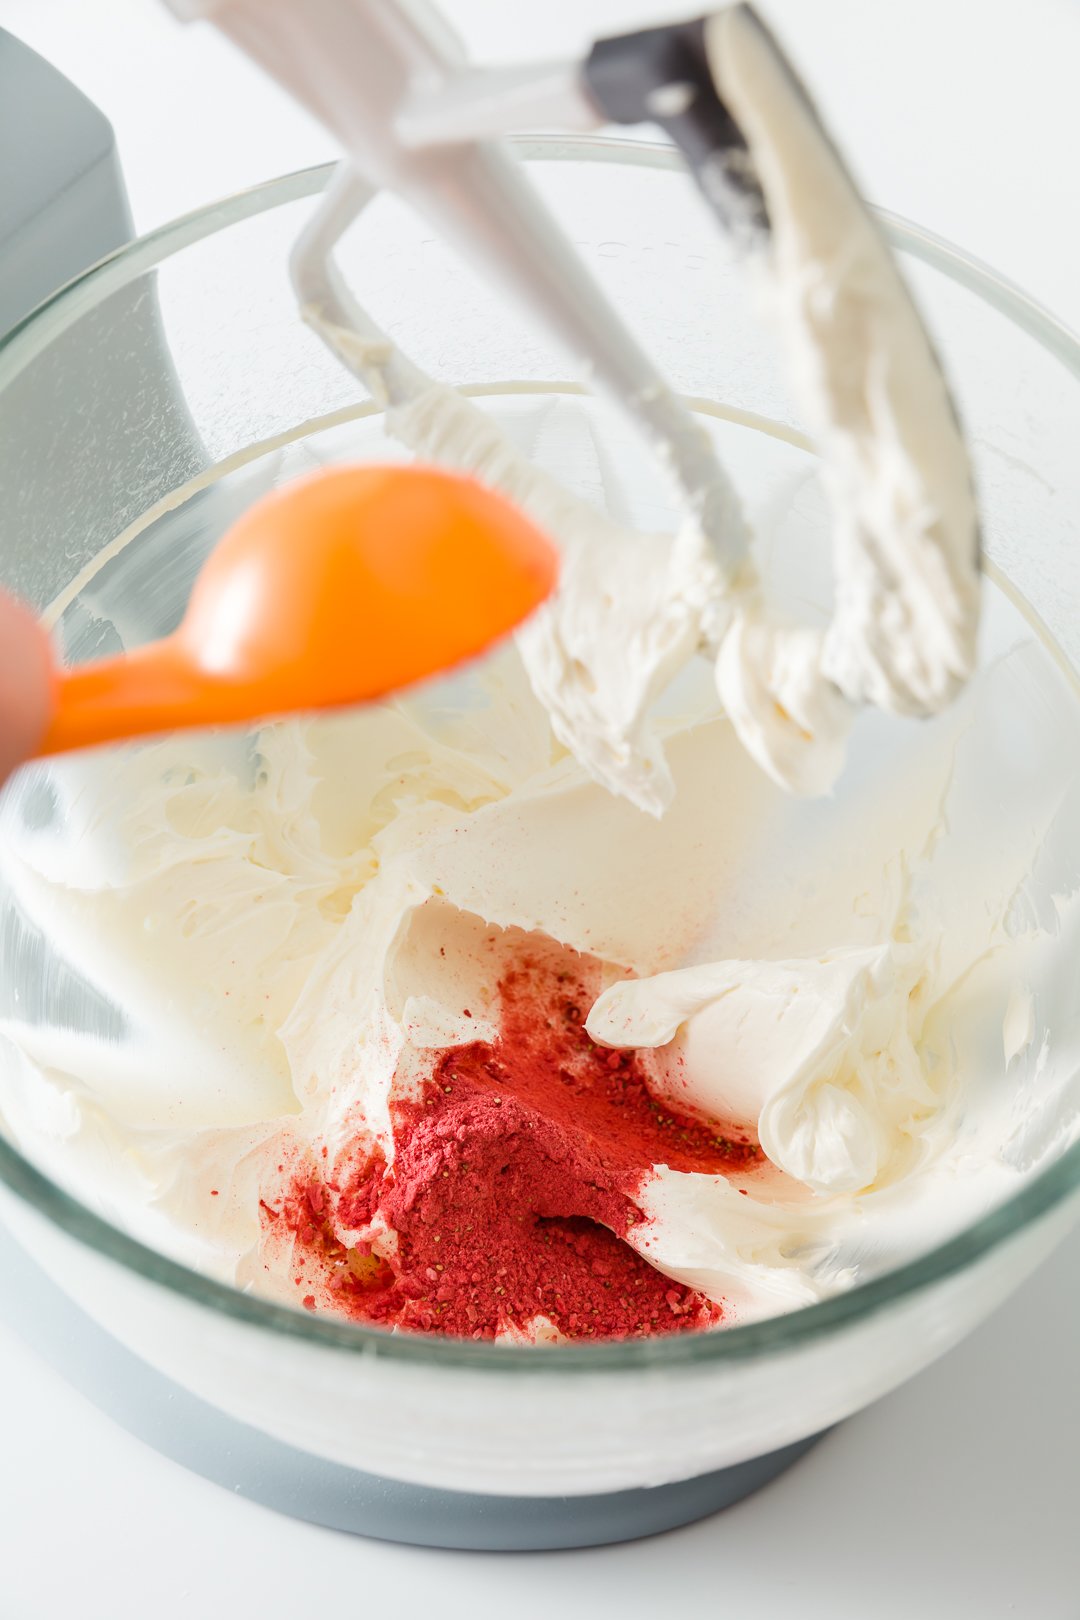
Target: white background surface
[959, 1495]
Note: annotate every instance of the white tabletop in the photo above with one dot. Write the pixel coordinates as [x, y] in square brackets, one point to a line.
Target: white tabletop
[957, 1495]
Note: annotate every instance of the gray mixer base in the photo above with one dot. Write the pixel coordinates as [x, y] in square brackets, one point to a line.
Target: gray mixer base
[250, 1464]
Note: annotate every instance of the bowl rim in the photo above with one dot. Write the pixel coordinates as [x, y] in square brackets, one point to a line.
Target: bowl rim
[773, 1335]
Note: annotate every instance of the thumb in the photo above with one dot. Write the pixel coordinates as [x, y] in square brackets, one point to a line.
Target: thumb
[26, 683]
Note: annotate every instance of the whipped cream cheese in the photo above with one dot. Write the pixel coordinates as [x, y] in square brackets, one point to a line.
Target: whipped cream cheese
[287, 928]
[631, 609]
[822, 1054]
[894, 466]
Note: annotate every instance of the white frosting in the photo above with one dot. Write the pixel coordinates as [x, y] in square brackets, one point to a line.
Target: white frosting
[631, 610]
[790, 718]
[285, 925]
[893, 460]
[820, 1054]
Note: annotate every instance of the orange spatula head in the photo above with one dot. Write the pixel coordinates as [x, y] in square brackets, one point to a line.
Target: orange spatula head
[338, 589]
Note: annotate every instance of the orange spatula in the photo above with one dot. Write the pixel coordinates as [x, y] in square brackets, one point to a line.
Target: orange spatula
[338, 589]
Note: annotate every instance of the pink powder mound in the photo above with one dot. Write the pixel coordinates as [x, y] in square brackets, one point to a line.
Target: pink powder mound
[517, 1174]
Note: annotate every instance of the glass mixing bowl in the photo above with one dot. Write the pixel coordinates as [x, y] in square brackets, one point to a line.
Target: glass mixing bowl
[151, 399]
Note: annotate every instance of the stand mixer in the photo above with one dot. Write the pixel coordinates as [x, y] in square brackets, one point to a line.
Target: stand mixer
[390, 82]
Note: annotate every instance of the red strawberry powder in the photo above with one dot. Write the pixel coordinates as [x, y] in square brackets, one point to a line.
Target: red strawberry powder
[517, 1174]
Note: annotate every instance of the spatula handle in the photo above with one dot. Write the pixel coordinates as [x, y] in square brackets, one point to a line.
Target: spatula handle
[150, 689]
